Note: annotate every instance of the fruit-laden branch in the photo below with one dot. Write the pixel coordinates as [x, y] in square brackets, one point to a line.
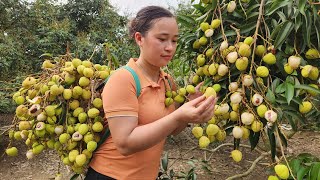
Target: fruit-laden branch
[256, 34]
[251, 168]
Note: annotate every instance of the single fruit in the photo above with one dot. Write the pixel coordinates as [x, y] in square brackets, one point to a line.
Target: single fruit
[256, 99]
[236, 155]
[237, 132]
[256, 126]
[260, 50]
[262, 71]
[204, 141]
[231, 6]
[271, 116]
[305, 107]
[261, 110]
[247, 118]
[282, 171]
[13, 151]
[242, 63]
[269, 58]
[294, 61]
[212, 129]
[210, 92]
[197, 131]
[244, 50]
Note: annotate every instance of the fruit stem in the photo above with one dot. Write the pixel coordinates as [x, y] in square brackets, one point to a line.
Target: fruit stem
[256, 34]
[220, 17]
[282, 152]
[244, 11]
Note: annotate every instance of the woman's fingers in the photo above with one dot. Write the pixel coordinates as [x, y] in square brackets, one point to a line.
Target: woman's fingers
[197, 100]
[203, 106]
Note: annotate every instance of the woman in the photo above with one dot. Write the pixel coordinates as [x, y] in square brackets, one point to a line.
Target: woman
[139, 126]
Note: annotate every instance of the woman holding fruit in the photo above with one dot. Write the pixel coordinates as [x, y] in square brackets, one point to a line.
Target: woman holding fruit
[140, 125]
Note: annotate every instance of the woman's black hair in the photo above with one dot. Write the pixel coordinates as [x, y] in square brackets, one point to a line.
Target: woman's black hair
[145, 18]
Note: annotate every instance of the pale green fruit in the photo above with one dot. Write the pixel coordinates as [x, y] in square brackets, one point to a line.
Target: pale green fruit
[256, 126]
[21, 110]
[212, 129]
[24, 125]
[77, 111]
[305, 107]
[88, 72]
[82, 117]
[248, 40]
[197, 131]
[81, 159]
[190, 89]
[314, 73]
[273, 178]
[72, 155]
[19, 100]
[86, 94]
[88, 137]
[262, 71]
[91, 146]
[282, 171]
[87, 64]
[269, 58]
[246, 132]
[204, 26]
[260, 50]
[28, 82]
[179, 99]
[77, 91]
[66, 161]
[37, 149]
[13, 151]
[242, 63]
[312, 54]
[50, 110]
[87, 153]
[168, 102]
[203, 40]
[204, 142]
[97, 127]
[288, 69]
[244, 50]
[67, 94]
[76, 62]
[210, 92]
[83, 129]
[236, 155]
[209, 52]
[50, 144]
[97, 103]
[54, 90]
[201, 60]
[196, 44]
[215, 23]
[40, 133]
[84, 81]
[74, 104]
[64, 137]
[69, 79]
[71, 145]
[93, 112]
[47, 64]
[104, 74]
[261, 110]
[80, 69]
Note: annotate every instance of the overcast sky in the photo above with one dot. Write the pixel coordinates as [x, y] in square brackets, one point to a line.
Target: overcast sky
[130, 7]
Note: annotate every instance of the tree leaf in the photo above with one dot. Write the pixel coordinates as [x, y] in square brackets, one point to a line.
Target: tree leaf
[275, 6]
[302, 172]
[289, 92]
[307, 87]
[272, 140]
[186, 20]
[270, 96]
[301, 5]
[254, 139]
[283, 34]
[75, 176]
[281, 88]
[315, 171]
[295, 165]
[164, 161]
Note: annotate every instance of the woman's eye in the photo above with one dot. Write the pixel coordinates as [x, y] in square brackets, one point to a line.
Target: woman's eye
[161, 39]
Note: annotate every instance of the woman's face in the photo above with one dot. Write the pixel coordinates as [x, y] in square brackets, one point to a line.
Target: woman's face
[159, 44]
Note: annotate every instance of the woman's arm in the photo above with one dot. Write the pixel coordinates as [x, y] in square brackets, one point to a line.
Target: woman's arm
[130, 138]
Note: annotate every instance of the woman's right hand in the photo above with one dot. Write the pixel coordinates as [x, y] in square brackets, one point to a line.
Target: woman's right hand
[198, 110]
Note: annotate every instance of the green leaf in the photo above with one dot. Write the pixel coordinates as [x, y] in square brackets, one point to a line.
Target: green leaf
[276, 5]
[289, 92]
[272, 140]
[301, 5]
[295, 165]
[306, 27]
[186, 20]
[270, 96]
[282, 16]
[296, 116]
[281, 88]
[307, 87]
[302, 172]
[254, 139]
[275, 84]
[46, 55]
[214, 4]
[283, 34]
[315, 171]
[164, 161]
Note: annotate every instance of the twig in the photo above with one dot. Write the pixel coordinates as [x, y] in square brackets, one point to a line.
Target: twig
[220, 17]
[256, 34]
[250, 169]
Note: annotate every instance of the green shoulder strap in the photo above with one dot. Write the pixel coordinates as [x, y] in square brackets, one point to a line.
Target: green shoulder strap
[138, 91]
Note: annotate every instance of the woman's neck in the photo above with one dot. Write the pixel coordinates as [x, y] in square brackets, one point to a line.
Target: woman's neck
[151, 72]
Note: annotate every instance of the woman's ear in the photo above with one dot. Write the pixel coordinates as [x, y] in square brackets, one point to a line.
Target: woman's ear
[138, 38]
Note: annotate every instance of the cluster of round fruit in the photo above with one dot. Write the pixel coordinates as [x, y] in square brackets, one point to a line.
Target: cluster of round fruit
[243, 72]
[60, 110]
